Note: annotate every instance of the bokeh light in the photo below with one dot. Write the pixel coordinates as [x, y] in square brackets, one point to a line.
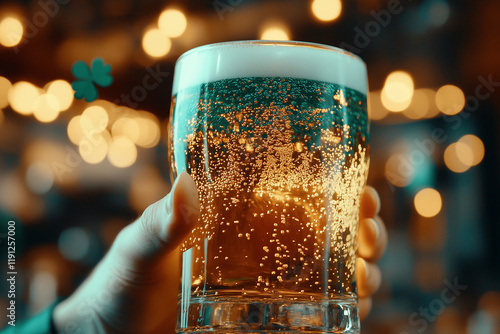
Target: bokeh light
[172, 22]
[147, 186]
[11, 31]
[114, 111]
[476, 146]
[376, 110]
[42, 290]
[55, 154]
[450, 99]
[5, 86]
[428, 202]
[490, 303]
[22, 97]
[439, 12]
[74, 243]
[94, 119]
[398, 91]
[455, 155]
[43, 150]
[149, 130]
[326, 10]
[94, 148]
[464, 153]
[420, 104]
[431, 97]
[16, 197]
[122, 152]
[397, 172]
[155, 43]
[275, 31]
[75, 132]
[128, 127]
[46, 108]
[62, 91]
[39, 178]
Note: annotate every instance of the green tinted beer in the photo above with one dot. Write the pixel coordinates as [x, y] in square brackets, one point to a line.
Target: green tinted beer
[279, 163]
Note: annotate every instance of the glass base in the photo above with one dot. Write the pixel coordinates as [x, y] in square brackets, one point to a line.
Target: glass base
[257, 315]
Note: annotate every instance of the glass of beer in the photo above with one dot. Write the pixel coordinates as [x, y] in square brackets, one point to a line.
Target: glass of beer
[275, 136]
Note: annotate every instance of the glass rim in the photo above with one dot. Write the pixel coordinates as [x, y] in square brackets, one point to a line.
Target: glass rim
[310, 45]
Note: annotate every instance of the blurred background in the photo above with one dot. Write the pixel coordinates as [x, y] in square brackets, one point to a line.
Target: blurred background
[434, 76]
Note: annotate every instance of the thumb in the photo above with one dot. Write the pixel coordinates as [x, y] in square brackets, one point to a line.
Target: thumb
[163, 225]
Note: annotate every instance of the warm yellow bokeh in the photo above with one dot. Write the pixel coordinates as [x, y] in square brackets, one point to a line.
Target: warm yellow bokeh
[22, 96]
[5, 86]
[326, 10]
[476, 147]
[94, 119]
[149, 130]
[464, 153]
[122, 152]
[62, 91]
[397, 171]
[46, 108]
[93, 149]
[398, 91]
[75, 131]
[172, 22]
[431, 95]
[11, 31]
[275, 31]
[155, 43]
[420, 104]
[452, 159]
[450, 99]
[376, 110]
[128, 127]
[39, 177]
[428, 202]
[146, 186]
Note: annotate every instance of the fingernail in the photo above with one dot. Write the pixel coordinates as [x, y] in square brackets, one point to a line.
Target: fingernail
[374, 226]
[187, 204]
[361, 265]
[379, 202]
[377, 199]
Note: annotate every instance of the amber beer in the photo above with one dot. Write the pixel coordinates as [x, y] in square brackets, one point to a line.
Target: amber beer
[275, 136]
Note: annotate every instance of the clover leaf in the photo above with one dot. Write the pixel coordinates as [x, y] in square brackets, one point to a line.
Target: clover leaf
[87, 78]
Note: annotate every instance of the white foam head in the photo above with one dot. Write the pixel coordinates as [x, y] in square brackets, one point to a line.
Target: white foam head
[269, 59]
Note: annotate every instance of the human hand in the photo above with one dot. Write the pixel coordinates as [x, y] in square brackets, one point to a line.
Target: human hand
[372, 236]
[134, 287]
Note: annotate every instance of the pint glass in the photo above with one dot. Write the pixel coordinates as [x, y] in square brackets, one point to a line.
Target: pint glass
[275, 136]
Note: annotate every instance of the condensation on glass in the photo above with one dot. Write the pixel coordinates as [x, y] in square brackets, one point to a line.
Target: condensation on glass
[275, 136]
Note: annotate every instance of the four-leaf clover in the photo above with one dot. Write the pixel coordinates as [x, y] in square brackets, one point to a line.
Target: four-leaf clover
[98, 74]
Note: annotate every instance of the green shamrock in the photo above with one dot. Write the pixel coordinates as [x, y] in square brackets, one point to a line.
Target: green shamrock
[98, 74]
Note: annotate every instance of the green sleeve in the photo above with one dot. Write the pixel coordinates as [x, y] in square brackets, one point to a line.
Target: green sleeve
[40, 323]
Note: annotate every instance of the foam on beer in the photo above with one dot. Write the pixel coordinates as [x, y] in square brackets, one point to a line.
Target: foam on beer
[269, 59]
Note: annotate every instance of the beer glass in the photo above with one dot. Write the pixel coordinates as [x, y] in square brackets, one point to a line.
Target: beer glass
[275, 136]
